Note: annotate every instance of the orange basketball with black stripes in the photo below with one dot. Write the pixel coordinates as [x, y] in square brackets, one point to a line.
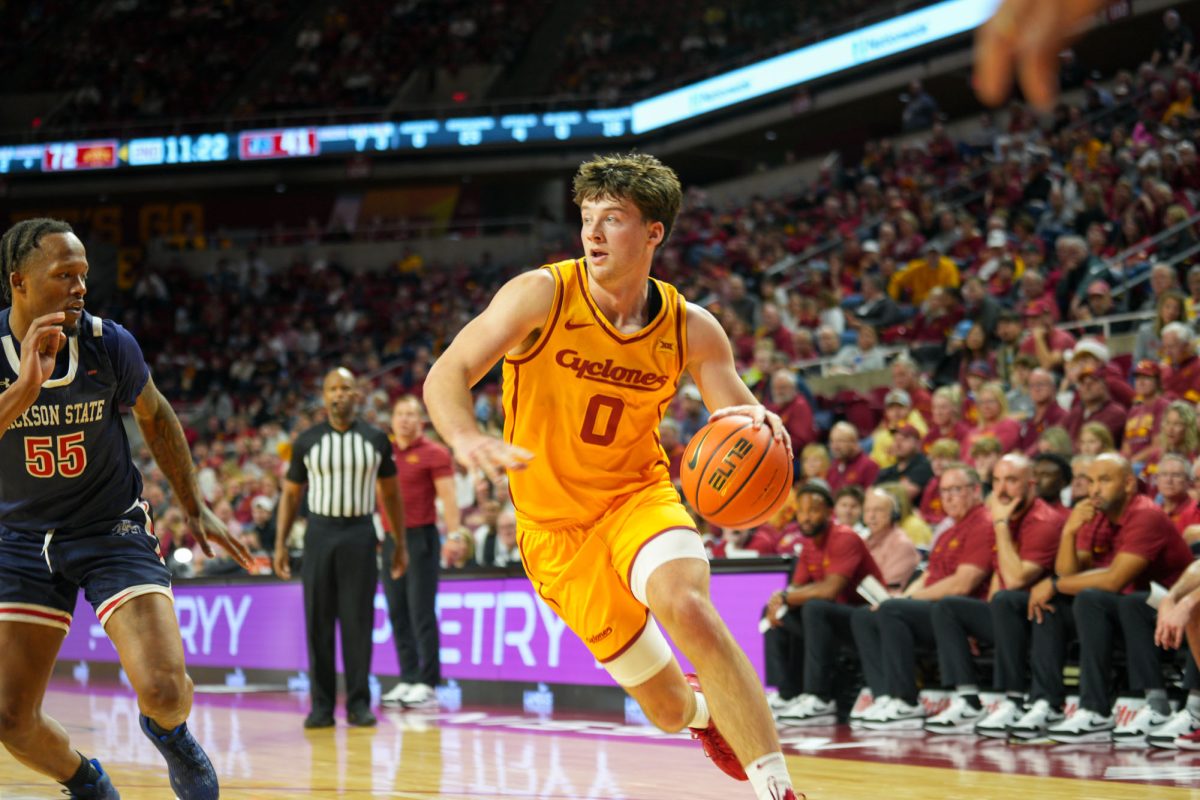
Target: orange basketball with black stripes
[735, 475]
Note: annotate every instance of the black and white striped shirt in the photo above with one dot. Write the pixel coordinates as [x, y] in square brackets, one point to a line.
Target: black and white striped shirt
[341, 467]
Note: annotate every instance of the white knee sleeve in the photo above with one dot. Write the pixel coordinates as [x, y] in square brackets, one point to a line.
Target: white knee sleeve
[643, 659]
[667, 546]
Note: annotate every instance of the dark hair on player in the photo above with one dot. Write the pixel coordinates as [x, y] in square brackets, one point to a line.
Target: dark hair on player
[19, 242]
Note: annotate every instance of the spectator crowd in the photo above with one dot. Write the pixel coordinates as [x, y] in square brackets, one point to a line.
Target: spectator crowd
[1026, 296]
[175, 62]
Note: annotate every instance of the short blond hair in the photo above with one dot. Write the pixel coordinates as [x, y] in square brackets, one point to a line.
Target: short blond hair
[952, 394]
[1101, 432]
[986, 445]
[944, 448]
[996, 390]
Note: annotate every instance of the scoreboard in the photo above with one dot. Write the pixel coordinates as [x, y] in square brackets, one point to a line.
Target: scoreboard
[281, 143]
[76, 156]
[847, 51]
[271, 144]
[159, 150]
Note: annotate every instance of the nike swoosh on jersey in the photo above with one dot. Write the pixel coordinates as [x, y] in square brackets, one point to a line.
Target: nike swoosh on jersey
[696, 453]
[569, 325]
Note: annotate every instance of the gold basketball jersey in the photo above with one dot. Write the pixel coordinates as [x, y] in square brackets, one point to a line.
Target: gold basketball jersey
[587, 401]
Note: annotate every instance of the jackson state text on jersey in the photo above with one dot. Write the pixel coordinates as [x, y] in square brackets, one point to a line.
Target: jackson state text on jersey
[65, 463]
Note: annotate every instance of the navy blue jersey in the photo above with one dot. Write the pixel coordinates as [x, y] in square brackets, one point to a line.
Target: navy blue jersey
[65, 463]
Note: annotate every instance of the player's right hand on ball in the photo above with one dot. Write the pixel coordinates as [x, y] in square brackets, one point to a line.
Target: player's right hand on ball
[492, 455]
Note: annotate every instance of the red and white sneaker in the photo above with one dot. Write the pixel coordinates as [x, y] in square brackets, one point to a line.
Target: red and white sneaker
[1190, 741]
[715, 746]
[788, 794]
[780, 793]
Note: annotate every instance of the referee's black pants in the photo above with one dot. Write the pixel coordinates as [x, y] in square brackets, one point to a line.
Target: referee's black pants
[412, 610]
[339, 573]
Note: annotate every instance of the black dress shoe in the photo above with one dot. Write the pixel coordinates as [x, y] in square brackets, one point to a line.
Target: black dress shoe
[319, 719]
[361, 718]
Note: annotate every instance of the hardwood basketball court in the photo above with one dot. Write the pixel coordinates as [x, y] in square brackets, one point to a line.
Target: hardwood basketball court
[261, 751]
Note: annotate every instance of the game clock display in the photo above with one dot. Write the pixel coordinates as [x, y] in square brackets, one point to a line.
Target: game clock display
[847, 51]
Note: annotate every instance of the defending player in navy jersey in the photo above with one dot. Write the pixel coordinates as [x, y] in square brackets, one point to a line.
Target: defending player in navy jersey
[71, 515]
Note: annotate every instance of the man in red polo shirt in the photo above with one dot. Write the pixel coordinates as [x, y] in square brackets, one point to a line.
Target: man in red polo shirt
[959, 564]
[805, 639]
[1141, 428]
[1110, 600]
[851, 466]
[1046, 411]
[1027, 532]
[1181, 380]
[1174, 480]
[424, 471]
[1091, 352]
[945, 417]
[1095, 406]
[793, 409]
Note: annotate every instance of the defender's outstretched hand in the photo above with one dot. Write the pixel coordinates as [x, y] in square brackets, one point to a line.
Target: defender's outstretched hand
[208, 528]
[1025, 37]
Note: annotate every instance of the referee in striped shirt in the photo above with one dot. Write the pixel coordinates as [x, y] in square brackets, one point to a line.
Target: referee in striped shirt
[344, 462]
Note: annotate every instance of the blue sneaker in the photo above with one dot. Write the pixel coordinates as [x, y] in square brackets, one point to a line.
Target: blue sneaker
[102, 789]
[192, 774]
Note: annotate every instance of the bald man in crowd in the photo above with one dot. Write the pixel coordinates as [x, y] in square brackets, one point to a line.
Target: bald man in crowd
[851, 466]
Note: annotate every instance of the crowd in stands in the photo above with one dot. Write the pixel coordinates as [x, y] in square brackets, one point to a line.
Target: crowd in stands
[145, 61]
[359, 55]
[624, 49]
[974, 289]
[1013, 382]
[25, 23]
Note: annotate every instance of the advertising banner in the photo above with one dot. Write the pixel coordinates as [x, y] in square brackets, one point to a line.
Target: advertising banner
[491, 629]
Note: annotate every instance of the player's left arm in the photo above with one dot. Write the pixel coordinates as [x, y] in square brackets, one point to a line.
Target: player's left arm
[710, 363]
[164, 436]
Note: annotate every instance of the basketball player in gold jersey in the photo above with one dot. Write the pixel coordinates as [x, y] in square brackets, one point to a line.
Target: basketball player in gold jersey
[593, 353]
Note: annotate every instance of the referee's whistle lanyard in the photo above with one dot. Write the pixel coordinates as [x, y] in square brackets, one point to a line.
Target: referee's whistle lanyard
[46, 549]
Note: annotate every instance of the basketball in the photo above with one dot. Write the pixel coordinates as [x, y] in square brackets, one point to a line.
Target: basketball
[735, 475]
